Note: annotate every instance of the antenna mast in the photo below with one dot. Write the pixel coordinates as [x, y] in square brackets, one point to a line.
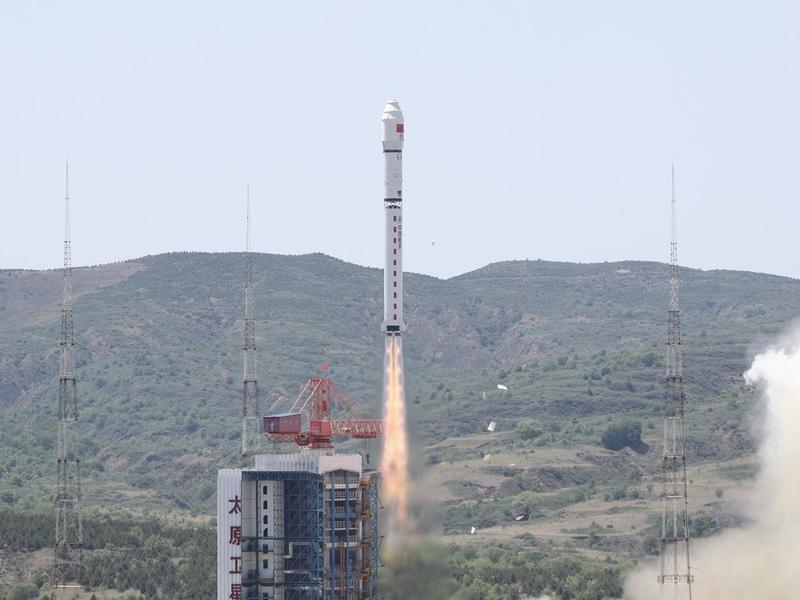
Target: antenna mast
[250, 381]
[68, 549]
[676, 576]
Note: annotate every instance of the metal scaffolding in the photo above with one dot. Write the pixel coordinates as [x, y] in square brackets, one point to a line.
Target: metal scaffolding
[68, 547]
[297, 538]
[280, 549]
[249, 378]
[302, 524]
[351, 537]
[372, 537]
[675, 578]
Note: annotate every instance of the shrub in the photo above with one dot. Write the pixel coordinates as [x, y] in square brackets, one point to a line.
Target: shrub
[528, 429]
[433, 459]
[24, 591]
[649, 359]
[616, 494]
[619, 435]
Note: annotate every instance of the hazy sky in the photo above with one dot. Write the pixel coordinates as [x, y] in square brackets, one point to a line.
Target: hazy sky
[533, 129]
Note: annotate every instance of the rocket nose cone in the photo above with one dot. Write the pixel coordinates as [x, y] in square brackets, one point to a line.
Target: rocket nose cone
[393, 127]
[392, 109]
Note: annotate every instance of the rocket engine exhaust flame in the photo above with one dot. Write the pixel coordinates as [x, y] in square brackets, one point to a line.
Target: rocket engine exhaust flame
[757, 561]
[394, 463]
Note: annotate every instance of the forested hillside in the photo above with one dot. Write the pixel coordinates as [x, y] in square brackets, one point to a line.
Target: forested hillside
[579, 348]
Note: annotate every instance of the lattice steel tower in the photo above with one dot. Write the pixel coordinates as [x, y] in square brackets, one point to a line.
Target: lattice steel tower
[675, 579]
[249, 381]
[68, 549]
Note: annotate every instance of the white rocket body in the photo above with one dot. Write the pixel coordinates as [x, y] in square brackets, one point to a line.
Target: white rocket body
[392, 137]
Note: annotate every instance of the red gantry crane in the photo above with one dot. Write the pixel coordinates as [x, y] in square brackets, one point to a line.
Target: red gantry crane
[309, 422]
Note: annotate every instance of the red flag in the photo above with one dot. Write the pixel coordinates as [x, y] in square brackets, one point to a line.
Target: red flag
[324, 367]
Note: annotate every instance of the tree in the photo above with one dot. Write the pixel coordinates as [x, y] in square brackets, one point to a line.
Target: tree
[23, 591]
[528, 429]
[620, 435]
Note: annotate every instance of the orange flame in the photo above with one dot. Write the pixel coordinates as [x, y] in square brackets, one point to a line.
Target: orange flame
[394, 463]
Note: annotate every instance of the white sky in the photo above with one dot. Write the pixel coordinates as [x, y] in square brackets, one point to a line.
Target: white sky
[534, 129]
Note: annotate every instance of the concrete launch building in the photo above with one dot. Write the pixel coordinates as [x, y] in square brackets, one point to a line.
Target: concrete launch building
[298, 526]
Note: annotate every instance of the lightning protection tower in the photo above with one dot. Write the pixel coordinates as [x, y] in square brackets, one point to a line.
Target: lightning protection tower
[68, 550]
[675, 579]
[249, 381]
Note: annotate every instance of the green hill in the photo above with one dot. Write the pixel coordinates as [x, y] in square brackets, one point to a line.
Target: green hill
[159, 360]
[579, 348]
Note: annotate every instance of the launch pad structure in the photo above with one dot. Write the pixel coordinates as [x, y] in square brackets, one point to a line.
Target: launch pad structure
[304, 525]
[301, 526]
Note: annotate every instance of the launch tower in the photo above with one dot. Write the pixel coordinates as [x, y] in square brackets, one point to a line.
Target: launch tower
[302, 525]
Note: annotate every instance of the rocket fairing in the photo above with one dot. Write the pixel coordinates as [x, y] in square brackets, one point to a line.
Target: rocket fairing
[393, 132]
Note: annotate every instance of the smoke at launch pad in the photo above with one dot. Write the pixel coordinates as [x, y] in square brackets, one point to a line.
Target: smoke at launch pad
[758, 561]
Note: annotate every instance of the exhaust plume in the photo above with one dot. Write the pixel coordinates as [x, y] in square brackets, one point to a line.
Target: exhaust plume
[758, 561]
[394, 462]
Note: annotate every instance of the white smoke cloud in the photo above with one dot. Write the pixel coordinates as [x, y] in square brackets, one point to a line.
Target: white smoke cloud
[759, 561]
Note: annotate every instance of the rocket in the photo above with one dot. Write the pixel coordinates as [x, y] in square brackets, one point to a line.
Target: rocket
[394, 459]
[393, 132]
